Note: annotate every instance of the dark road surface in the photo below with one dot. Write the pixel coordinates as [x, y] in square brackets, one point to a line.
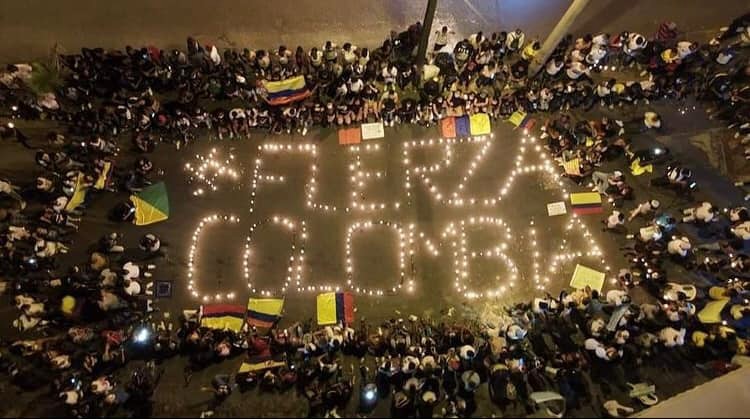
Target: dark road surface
[30, 28]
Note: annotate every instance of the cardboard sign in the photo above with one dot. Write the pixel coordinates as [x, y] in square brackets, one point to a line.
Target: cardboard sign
[372, 131]
[584, 276]
[556, 208]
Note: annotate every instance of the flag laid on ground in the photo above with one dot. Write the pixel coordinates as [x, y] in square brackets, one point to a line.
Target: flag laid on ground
[286, 91]
[586, 203]
[448, 127]
[573, 167]
[517, 118]
[334, 307]
[636, 169]
[479, 124]
[260, 363]
[79, 194]
[711, 313]
[151, 204]
[348, 136]
[584, 276]
[463, 129]
[222, 316]
[264, 312]
[104, 176]
[528, 123]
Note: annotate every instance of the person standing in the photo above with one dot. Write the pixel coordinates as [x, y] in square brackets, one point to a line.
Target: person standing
[441, 39]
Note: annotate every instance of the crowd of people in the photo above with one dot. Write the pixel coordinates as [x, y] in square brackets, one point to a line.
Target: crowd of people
[80, 325]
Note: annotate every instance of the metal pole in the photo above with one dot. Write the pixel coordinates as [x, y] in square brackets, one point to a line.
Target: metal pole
[429, 15]
[561, 29]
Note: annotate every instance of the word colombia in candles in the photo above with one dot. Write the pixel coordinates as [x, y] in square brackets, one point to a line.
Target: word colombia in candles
[511, 254]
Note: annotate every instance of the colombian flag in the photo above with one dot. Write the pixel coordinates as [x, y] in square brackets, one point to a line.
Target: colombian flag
[586, 203]
[151, 204]
[286, 91]
[264, 312]
[223, 316]
[335, 307]
[79, 194]
[104, 177]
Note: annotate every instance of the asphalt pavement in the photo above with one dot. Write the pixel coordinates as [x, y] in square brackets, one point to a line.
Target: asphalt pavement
[218, 264]
[32, 28]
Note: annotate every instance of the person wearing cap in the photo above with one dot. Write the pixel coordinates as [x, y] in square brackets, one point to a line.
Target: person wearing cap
[644, 208]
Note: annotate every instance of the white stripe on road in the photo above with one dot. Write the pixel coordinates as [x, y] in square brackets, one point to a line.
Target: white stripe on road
[474, 9]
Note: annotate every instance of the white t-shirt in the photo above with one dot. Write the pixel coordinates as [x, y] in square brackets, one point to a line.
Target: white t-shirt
[643, 208]
[651, 119]
[614, 219]
[349, 56]
[742, 230]
[356, 86]
[672, 337]
[475, 39]
[5, 187]
[553, 69]
[616, 297]
[575, 70]
[649, 233]
[704, 213]
[441, 38]
[633, 42]
[602, 90]
[683, 49]
[389, 73]
[215, 57]
[513, 36]
[678, 247]
[134, 288]
[132, 271]
[601, 39]
[596, 54]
